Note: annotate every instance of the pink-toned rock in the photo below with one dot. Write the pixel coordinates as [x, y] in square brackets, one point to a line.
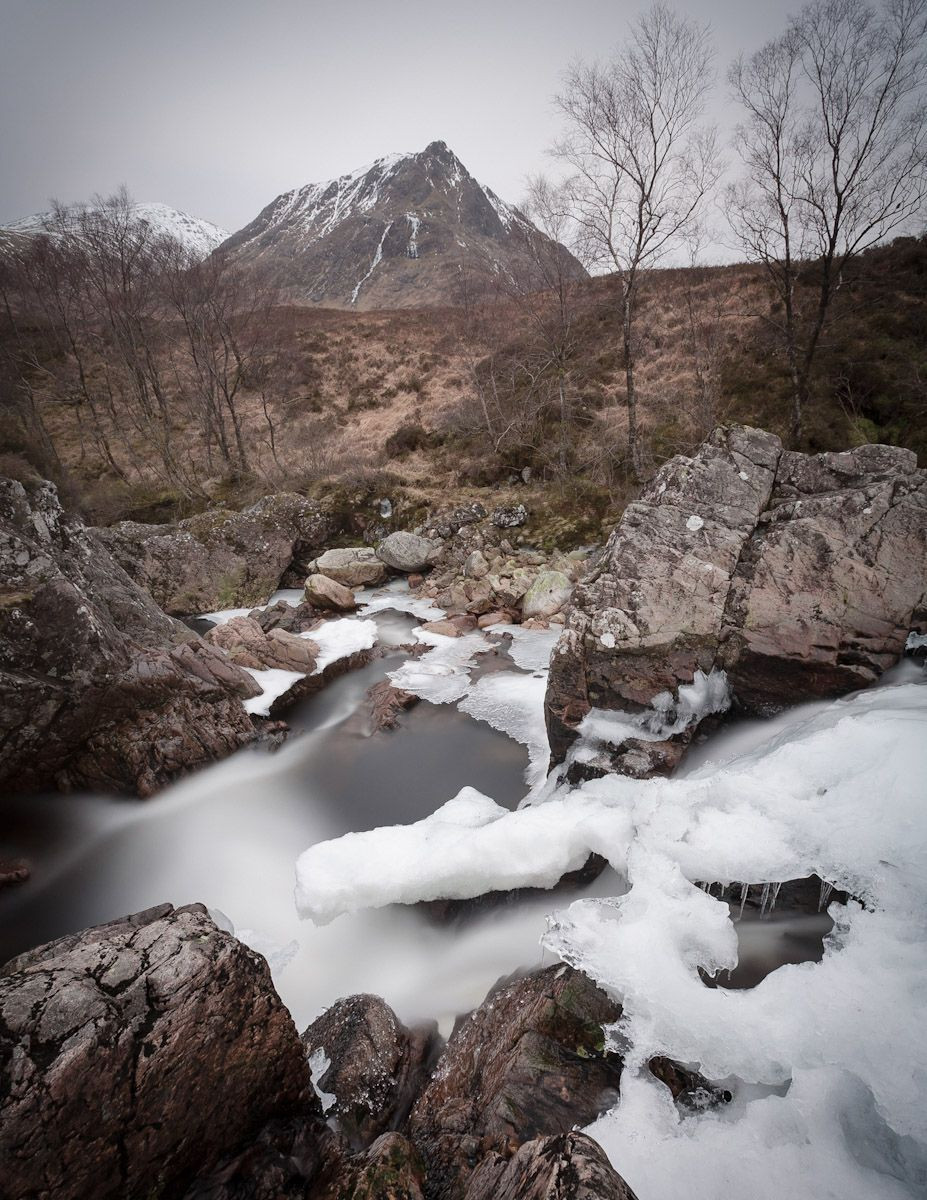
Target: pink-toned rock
[445, 627]
[247, 644]
[799, 575]
[497, 617]
[323, 592]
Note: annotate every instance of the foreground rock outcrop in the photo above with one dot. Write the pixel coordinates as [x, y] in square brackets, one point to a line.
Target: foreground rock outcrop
[150, 1058]
[222, 558]
[98, 688]
[134, 1055]
[798, 576]
[376, 1066]
[530, 1061]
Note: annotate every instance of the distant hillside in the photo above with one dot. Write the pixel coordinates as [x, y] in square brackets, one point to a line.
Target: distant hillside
[198, 236]
[395, 234]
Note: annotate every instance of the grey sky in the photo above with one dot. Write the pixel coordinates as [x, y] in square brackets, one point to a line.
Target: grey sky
[217, 106]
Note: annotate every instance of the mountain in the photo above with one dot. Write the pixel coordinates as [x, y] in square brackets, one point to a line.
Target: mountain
[199, 236]
[395, 234]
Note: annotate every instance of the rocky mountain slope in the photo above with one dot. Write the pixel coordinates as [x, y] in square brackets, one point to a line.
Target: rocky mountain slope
[395, 234]
[198, 236]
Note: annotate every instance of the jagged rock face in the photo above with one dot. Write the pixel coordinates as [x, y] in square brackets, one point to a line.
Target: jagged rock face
[833, 580]
[98, 688]
[798, 575]
[567, 1167]
[221, 558]
[396, 234]
[134, 1055]
[529, 1061]
[376, 1065]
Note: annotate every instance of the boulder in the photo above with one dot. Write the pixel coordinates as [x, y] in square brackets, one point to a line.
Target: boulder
[391, 1169]
[548, 594]
[798, 576]
[355, 566]
[246, 644]
[509, 516]
[569, 1166]
[98, 687]
[323, 592]
[376, 1065]
[406, 552]
[135, 1055]
[475, 565]
[221, 558]
[445, 626]
[386, 702]
[531, 1060]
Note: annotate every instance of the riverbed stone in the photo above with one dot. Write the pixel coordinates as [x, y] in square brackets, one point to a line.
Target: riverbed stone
[569, 1166]
[547, 595]
[136, 1054]
[377, 1065]
[248, 645]
[353, 566]
[323, 592]
[406, 552]
[530, 1061]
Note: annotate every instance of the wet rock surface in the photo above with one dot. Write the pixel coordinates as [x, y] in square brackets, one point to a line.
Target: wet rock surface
[246, 644]
[795, 574]
[134, 1055]
[221, 558]
[530, 1061]
[377, 1065]
[569, 1166]
[98, 687]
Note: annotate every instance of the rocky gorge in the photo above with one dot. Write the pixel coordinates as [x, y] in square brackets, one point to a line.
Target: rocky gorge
[741, 579]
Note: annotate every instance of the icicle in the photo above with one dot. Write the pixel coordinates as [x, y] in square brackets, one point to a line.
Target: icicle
[775, 895]
[764, 900]
[826, 889]
[744, 892]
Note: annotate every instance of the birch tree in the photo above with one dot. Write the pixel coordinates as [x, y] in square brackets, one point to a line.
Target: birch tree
[834, 147]
[643, 160]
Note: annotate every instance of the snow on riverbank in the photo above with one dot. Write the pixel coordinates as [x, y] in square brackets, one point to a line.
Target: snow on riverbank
[835, 789]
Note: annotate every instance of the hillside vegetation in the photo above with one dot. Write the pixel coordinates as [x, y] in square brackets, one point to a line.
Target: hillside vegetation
[472, 401]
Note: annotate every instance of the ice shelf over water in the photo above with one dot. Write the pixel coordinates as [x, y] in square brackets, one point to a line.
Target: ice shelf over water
[828, 1060]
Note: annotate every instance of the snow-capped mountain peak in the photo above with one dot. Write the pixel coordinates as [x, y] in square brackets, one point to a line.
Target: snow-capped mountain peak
[200, 237]
[395, 232]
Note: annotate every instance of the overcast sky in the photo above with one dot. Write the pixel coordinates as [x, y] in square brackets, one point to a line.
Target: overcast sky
[217, 106]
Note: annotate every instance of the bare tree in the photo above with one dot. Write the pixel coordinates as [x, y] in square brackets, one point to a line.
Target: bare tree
[834, 145]
[642, 158]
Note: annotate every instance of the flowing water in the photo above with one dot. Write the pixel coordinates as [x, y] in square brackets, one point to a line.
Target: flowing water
[229, 837]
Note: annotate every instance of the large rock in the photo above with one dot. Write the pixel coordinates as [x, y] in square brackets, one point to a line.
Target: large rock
[531, 1060]
[569, 1166]
[248, 645]
[376, 1065]
[406, 552]
[222, 558]
[798, 575]
[833, 579]
[98, 688]
[322, 592]
[354, 566]
[547, 595]
[135, 1055]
